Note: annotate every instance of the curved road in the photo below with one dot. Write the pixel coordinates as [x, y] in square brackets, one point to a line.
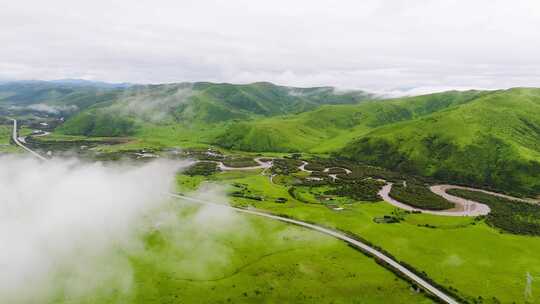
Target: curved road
[463, 207]
[341, 236]
[262, 165]
[439, 189]
[18, 143]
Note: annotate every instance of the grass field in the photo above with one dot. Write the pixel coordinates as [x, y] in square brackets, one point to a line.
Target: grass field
[245, 259]
[461, 253]
[5, 136]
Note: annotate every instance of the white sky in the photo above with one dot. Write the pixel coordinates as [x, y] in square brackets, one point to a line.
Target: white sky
[383, 45]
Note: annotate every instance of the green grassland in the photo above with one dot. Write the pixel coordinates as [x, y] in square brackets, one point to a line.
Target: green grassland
[508, 215]
[457, 252]
[493, 141]
[256, 260]
[479, 138]
[331, 127]
[198, 103]
[5, 136]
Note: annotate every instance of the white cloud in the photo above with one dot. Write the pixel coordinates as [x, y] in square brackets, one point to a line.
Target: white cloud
[377, 45]
[63, 224]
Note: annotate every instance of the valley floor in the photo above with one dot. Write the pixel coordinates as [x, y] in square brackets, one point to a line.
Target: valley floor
[274, 262]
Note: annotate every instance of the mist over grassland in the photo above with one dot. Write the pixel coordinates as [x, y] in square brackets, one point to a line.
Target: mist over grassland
[65, 224]
[74, 232]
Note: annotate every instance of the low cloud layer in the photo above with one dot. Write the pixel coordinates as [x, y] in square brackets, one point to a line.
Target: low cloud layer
[63, 224]
[155, 105]
[41, 107]
[49, 109]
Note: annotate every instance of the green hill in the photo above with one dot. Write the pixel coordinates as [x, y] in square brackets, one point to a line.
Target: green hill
[494, 141]
[331, 127]
[485, 138]
[193, 104]
[27, 93]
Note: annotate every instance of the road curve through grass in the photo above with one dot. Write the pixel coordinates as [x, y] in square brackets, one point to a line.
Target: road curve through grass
[261, 165]
[341, 236]
[441, 190]
[18, 143]
[463, 207]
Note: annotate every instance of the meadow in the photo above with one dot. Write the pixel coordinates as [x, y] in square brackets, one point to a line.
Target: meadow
[5, 136]
[461, 253]
[245, 259]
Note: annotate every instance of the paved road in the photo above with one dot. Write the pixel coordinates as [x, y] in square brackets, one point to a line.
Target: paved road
[18, 143]
[360, 245]
[463, 207]
[439, 189]
[262, 165]
[302, 167]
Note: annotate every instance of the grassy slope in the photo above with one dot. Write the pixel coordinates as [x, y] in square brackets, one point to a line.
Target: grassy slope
[5, 136]
[270, 262]
[476, 259]
[27, 93]
[331, 127]
[194, 104]
[490, 141]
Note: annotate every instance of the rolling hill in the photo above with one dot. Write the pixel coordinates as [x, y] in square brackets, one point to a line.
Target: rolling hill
[484, 138]
[493, 140]
[61, 94]
[195, 104]
[331, 127]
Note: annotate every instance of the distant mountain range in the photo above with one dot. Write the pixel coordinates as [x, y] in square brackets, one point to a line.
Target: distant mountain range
[71, 82]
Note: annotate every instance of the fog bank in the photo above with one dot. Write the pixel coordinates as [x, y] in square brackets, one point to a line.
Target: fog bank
[63, 223]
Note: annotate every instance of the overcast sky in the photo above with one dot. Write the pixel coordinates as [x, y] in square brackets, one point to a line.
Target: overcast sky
[376, 45]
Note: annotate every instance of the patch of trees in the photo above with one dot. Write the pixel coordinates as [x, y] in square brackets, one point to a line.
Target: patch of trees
[508, 215]
[387, 219]
[286, 166]
[202, 168]
[315, 166]
[364, 190]
[244, 192]
[419, 196]
[239, 162]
